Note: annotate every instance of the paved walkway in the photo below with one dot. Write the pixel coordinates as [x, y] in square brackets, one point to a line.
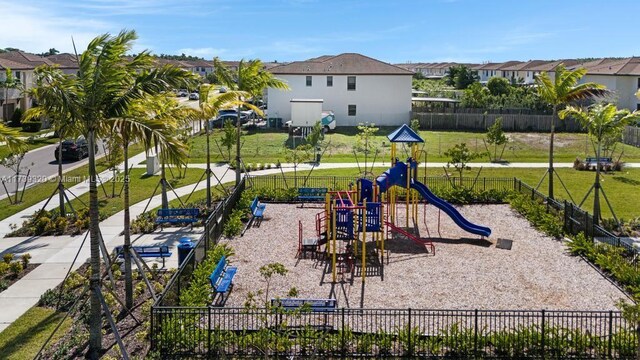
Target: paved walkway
[56, 253]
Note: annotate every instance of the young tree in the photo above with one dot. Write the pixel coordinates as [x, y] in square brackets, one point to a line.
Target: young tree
[561, 91]
[601, 121]
[415, 125]
[496, 137]
[228, 139]
[314, 138]
[13, 162]
[460, 155]
[296, 156]
[364, 143]
[267, 272]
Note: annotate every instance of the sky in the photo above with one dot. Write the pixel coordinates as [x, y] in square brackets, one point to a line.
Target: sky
[471, 31]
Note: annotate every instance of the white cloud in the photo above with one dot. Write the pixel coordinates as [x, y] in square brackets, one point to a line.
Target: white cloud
[28, 28]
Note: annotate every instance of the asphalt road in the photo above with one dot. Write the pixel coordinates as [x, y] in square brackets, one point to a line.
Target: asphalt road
[41, 165]
[44, 167]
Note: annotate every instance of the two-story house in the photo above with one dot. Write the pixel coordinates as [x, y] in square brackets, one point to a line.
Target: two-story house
[357, 88]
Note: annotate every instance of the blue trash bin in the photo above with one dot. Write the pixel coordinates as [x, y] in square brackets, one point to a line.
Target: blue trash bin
[184, 248]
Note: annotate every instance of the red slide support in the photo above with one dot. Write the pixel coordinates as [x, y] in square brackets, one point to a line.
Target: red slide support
[412, 237]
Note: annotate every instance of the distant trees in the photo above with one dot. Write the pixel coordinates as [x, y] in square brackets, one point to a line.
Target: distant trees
[498, 86]
[460, 77]
[52, 51]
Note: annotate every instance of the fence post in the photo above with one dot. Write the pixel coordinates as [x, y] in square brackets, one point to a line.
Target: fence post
[343, 347]
[208, 347]
[409, 334]
[543, 335]
[152, 329]
[610, 334]
[475, 335]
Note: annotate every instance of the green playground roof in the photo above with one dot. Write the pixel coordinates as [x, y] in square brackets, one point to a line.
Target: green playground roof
[404, 134]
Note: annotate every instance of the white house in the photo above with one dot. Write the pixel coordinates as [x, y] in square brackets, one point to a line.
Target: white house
[622, 76]
[357, 88]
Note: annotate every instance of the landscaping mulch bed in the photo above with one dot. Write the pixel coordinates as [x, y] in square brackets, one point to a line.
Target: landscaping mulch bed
[9, 279]
[74, 343]
[466, 272]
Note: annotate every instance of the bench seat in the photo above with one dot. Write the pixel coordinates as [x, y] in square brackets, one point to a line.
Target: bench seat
[175, 216]
[150, 251]
[312, 194]
[316, 305]
[221, 278]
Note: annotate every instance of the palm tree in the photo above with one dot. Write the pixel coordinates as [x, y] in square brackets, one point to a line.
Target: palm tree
[251, 77]
[561, 91]
[10, 82]
[209, 105]
[50, 92]
[601, 121]
[105, 87]
[140, 127]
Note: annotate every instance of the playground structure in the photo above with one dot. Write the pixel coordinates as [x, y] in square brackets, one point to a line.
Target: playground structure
[371, 209]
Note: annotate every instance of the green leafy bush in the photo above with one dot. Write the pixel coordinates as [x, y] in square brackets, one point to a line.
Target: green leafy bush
[538, 215]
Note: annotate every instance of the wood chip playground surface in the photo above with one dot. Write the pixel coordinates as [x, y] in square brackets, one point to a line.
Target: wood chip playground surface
[466, 272]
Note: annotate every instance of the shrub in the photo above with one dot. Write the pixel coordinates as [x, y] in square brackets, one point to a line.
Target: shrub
[144, 223]
[61, 225]
[4, 268]
[16, 118]
[234, 224]
[31, 126]
[16, 268]
[4, 284]
[25, 259]
[8, 258]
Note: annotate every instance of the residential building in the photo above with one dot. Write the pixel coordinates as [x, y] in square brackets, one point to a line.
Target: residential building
[357, 88]
[621, 76]
[22, 65]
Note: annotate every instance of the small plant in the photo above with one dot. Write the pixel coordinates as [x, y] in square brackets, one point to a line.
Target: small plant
[293, 292]
[25, 259]
[8, 258]
[15, 268]
[267, 272]
[4, 284]
[4, 268]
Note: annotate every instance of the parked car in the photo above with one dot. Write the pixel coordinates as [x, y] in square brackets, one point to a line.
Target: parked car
[182, 93]
[194, 96]
[222, 89]
[233, 117]
[74, 149]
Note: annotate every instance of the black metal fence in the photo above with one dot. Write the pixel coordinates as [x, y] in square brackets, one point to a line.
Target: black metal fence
[347, 333]
[212, 230]
[214, 332]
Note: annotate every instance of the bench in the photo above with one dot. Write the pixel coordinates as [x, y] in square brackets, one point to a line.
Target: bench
[312, 194]
[222, 276]
[257, 209]
[154, 251]
[593, 161]
[177, 216]
[315, 305]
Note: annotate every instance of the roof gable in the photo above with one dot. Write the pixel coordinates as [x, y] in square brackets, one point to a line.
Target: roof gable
[404, 134]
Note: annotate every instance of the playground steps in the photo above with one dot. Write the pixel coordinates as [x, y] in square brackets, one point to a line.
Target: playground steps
[428, 245]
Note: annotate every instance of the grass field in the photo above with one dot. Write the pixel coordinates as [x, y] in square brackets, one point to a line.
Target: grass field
[23, 338]
[262, 147]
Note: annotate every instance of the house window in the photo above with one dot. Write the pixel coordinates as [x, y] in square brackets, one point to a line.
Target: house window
[638, 83]
[638, 107]
[352, 110]
[329, 81]
[351, 85]
[308, 80]
[18, 78]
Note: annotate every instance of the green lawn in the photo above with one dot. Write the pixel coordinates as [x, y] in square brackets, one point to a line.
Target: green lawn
[141, 187]
[23, 338]
[36, 143]
[269, 146]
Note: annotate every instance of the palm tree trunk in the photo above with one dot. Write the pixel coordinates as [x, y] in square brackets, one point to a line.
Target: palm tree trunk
[596, 194]
[60, 186]
[163, 180]
[553, 128]
[208, 170]
[95, 318]
[128, 277]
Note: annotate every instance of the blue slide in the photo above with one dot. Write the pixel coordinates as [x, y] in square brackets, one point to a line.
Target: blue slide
[397, 175]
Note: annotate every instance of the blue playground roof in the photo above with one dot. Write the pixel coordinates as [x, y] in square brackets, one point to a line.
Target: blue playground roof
[404, 134]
